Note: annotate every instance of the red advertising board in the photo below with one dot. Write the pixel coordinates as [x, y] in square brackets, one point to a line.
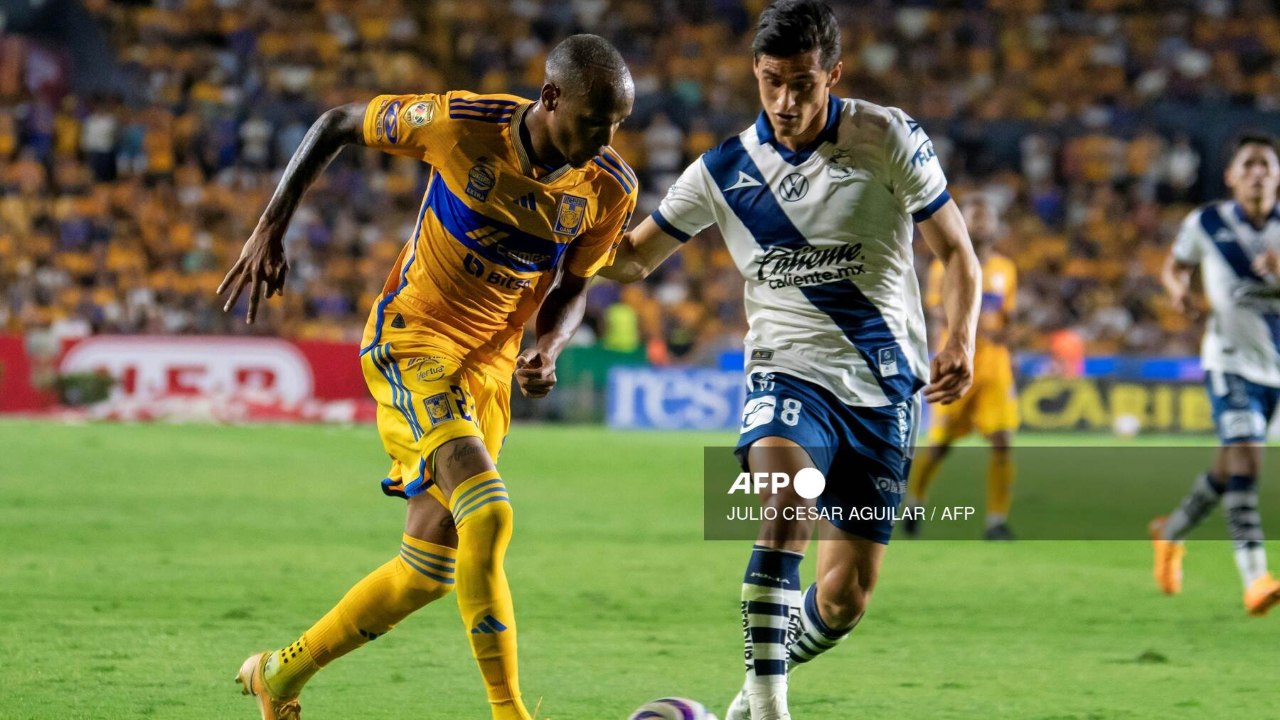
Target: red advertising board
[17, 394]
[224, 378]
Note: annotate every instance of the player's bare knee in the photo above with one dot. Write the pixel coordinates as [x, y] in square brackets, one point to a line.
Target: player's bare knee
[1242, 459]
[1001, 442]
[843, 606]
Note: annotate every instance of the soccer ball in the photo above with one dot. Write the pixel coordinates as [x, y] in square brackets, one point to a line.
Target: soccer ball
[1126, 426]
[672, 708]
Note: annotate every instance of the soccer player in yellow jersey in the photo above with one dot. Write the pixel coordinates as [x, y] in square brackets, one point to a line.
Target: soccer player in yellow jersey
[991, 405]
[525, 203]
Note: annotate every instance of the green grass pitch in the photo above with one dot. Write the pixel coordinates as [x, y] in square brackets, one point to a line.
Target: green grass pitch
[141, 564]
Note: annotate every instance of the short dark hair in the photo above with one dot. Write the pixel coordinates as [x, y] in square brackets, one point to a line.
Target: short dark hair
[1253, 137]
[794, 27]
[579, 61]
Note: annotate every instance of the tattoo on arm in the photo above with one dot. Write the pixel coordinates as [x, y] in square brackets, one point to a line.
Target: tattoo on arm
[334, 129]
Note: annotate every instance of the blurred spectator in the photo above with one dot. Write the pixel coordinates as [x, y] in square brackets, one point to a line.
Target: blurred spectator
[119, 214]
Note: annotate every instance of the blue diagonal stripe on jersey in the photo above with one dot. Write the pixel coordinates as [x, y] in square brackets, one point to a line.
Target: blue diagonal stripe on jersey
[843, 301]
[404, 280]
[519, 250]
[1233, 253]
[1212, 223]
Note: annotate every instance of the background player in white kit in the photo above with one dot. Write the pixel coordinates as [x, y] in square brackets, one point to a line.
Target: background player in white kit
[816, 203]
[1235, 243]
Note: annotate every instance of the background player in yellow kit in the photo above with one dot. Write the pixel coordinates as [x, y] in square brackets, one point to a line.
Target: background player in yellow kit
[991, 404]
[525, 203]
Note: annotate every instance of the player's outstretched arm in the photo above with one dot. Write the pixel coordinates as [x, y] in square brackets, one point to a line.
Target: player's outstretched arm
[952, 370]
[262, 264]
[641, 252]
[558, 319]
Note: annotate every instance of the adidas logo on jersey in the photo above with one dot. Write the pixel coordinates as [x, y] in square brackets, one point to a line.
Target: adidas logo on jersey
[488, 626]
[526, 201]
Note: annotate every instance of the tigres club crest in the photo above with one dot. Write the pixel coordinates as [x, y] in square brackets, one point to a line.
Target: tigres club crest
[569, 217]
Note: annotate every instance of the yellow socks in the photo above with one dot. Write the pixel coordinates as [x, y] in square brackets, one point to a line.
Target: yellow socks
[999, 486]
[482, 513]
[423, 572]
[923, 470]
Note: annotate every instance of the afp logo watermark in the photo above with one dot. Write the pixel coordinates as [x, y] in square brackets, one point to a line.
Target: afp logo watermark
[808, 483]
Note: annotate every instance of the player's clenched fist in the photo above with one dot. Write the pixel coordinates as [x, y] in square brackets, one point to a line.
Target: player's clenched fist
[951, 373]
[261, 265]
[535, 373]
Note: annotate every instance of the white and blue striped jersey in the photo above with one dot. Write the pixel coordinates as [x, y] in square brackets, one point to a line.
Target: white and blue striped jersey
[1242, 335]
[823, 239]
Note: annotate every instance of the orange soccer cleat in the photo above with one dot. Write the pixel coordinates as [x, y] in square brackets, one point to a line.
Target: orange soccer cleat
[1262, 595]
[1168, 568]
[252, 683]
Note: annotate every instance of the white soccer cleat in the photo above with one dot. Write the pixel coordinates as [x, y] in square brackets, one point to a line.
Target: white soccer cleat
[739, 708]
[768, 706]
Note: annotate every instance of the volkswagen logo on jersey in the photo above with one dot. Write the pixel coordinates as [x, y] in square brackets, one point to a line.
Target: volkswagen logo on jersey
[794, 187]
[480, 180]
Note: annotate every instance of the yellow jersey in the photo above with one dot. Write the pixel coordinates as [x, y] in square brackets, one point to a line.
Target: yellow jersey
[490, 238]
[999, 293]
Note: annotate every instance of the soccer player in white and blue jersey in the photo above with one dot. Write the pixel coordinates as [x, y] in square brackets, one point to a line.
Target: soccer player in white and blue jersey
[1235, 244]
[816, 202]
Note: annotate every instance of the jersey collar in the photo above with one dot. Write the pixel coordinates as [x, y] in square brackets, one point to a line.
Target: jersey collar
[1242, 217]
[830, 133]
[522, 152]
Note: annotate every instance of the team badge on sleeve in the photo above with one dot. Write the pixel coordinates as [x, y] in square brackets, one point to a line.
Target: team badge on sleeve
[420, 113]
[438, 408]
[391, 122]
[569, 218]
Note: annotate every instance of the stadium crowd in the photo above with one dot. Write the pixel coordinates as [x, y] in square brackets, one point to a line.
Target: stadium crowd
[121, 210]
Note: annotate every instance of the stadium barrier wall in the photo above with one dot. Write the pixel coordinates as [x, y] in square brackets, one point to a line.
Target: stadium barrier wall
[222, 378]
[705, 399]
[253, 378]
[18, 393]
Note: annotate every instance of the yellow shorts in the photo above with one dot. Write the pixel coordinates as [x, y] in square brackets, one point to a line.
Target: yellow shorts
[425, 399]
[990, 406]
